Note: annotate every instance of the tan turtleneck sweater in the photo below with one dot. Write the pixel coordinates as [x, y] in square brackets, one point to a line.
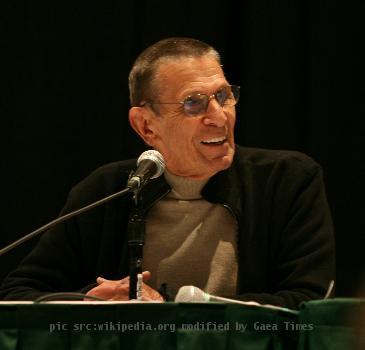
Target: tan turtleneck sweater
[190, 241]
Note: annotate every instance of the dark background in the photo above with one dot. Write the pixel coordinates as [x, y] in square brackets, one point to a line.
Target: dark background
[64, 104]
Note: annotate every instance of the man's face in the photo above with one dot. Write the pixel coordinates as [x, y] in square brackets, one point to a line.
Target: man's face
[192, 146]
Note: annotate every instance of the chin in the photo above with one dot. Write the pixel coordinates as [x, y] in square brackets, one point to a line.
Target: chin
[219, 164]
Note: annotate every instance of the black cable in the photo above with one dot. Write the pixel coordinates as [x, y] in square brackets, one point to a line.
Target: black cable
[66, 296]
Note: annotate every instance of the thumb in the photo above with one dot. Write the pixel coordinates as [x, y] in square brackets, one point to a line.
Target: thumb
[146, 276]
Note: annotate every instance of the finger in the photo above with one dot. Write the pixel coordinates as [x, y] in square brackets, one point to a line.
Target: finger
[101, 280]
[146, 275]
[111, 290]
[152, 297]
[93, 292]
[124, 280]
[149, 294]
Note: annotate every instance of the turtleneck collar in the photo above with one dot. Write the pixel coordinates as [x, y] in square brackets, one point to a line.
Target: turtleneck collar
[184, 188]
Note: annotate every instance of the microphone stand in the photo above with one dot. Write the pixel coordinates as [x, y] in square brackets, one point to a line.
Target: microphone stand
[136, 233]
[62, 219]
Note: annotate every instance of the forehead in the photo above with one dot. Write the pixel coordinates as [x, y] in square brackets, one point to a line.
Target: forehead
[183, 76]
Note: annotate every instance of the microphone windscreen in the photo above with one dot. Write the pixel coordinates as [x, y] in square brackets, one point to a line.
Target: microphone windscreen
[155, 157]
[188, 294]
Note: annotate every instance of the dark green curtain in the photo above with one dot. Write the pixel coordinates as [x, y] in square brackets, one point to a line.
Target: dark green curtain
[65, 97]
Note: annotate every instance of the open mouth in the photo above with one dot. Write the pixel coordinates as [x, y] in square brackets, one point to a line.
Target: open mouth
[215, 141]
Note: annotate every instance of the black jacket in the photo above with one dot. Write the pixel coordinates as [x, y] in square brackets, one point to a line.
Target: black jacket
[285, 238]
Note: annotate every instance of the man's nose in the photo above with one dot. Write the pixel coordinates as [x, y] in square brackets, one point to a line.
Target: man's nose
[215, 114]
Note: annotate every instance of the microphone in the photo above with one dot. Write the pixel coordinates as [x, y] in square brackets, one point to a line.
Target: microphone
[150, 165]
[191, 294]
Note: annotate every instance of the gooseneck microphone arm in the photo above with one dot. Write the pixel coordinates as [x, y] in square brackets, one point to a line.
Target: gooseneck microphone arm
[150, 165]
[62, 219]
[136, 236]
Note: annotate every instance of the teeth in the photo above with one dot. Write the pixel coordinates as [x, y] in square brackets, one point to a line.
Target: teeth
[216, 139]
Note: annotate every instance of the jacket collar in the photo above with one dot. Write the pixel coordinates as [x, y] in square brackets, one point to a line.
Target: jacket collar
[225, 188]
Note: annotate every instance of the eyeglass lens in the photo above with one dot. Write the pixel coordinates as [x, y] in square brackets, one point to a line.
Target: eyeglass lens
[198, 103]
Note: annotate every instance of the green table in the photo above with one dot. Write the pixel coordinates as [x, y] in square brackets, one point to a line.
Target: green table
[111, 326]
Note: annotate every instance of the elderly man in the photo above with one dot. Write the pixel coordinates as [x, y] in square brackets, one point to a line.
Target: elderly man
[246, 223]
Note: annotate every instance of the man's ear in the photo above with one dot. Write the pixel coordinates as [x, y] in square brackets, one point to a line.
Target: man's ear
[140, 121]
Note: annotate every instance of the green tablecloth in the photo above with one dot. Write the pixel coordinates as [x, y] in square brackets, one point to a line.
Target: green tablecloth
[337, 324]
[319, 325]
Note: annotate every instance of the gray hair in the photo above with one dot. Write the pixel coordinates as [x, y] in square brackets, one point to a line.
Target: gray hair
[142, 74]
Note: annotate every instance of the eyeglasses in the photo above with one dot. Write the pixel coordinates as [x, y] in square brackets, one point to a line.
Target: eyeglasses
[198, 103]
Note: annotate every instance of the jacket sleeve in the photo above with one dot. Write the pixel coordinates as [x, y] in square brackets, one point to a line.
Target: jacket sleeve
[54, 265]
[302, 258]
